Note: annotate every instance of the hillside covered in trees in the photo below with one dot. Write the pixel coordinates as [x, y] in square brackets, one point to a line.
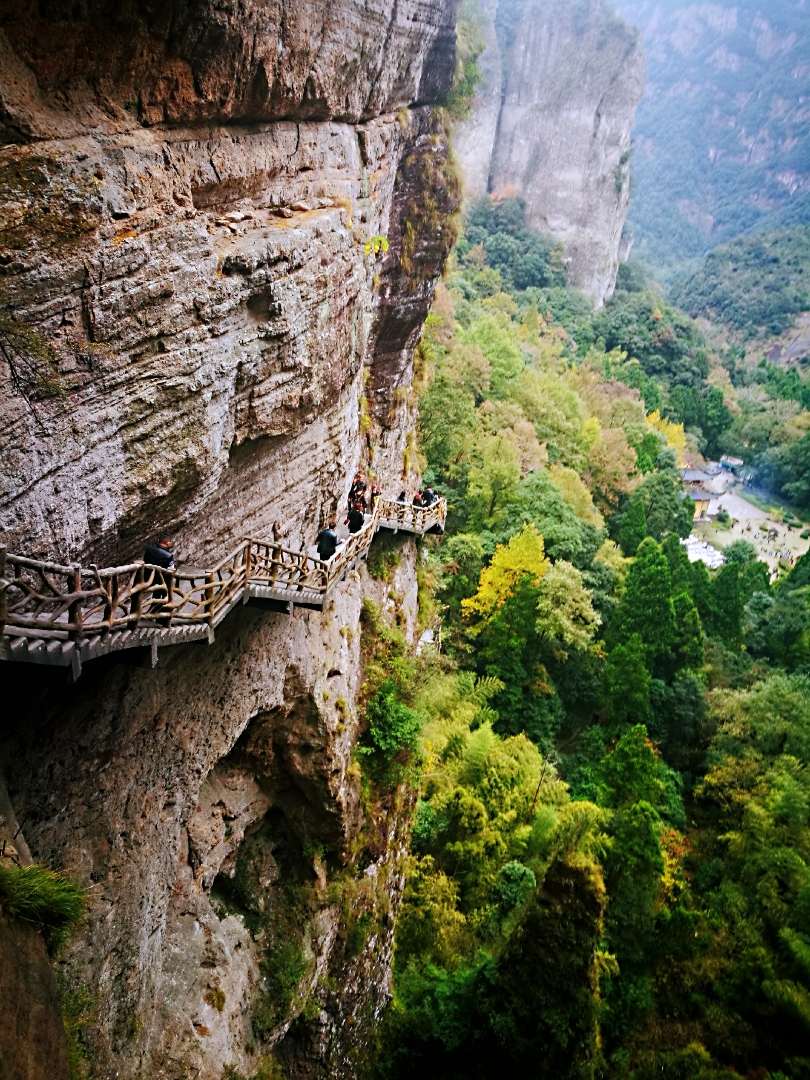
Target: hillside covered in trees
[610, 856]
[721, 142]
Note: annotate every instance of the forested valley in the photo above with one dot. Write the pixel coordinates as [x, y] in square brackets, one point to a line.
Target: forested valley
[610, 858]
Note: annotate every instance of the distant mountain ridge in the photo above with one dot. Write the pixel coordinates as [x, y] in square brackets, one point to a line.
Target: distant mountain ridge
[722, 137]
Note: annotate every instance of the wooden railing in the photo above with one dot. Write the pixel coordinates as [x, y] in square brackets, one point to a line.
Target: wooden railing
[61, 614]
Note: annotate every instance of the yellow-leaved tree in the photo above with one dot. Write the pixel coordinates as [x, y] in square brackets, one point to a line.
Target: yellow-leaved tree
[673, 433]
[566, 618]
[576, 494]
[523, 556]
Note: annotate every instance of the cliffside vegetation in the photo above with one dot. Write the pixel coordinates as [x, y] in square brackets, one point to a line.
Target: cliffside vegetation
[610, 862]
[46, 899]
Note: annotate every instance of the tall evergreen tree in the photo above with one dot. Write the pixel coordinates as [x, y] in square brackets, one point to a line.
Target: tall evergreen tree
[627, 682]
[646, 608]
[687, 642]
[633, 528]
[679, 565]
[726, 605]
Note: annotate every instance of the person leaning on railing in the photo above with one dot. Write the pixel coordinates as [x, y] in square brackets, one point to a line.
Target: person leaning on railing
[160, 555]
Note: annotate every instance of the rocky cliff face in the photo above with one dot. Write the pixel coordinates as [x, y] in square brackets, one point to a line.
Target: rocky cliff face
[551, 122]
[193, 338]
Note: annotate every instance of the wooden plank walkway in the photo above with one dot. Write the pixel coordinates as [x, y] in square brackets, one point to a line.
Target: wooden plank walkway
[64, 616]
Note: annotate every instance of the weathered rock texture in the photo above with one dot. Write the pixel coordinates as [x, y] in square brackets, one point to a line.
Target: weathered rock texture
[193, 338]
[32, 1039]
[32, 1036]
[144, 784]
[205, 372]
[551, 122]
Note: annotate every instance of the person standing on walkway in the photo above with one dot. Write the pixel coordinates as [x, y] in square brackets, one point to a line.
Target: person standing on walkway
[357, 492]
[160, 554]
[356, 518]
[327, 542]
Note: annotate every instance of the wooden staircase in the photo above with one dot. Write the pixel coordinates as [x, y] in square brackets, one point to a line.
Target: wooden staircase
[63, 616]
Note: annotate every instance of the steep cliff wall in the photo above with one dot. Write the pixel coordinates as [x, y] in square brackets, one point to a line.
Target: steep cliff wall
[193, 338]
[551, 122]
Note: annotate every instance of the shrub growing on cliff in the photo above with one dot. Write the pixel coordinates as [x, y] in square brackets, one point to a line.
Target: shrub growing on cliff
[469, 46]
[45, 898]
[393, 727]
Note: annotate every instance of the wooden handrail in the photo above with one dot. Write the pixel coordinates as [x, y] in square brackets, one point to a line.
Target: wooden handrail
[52, 602]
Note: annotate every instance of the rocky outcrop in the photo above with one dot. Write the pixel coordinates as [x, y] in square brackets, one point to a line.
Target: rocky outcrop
[194, 338]
[551, 122]
[176, 297]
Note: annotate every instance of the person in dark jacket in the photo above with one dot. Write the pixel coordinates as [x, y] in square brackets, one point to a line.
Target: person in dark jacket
[429, 497]
[417, 499]
[160, 554]
[356, 518]
[403, 497]
[327, 542]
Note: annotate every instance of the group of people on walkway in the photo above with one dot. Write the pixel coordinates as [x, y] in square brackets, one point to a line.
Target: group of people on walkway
[422, 499]
[362, 497]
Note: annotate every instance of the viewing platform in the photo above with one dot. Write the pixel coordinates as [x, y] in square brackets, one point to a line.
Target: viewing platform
[63, 616]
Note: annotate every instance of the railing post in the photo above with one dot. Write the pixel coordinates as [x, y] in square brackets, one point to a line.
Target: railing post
[168, 578]
[75, 609]
[209, 580]
[3, 587]
[248, 563]
[113, 598]
[136, 597]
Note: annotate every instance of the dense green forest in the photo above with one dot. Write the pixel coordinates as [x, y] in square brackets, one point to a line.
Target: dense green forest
[722, 145]
[610, 857]
[752, 290]
[754, 284]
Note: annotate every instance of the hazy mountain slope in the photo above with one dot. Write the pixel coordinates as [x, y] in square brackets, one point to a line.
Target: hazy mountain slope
[722, 137]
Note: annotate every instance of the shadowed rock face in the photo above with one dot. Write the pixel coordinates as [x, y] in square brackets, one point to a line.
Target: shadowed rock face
[145, 785]
[552, 122]
[194, 339]
[188, 62]
[32, 1040]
